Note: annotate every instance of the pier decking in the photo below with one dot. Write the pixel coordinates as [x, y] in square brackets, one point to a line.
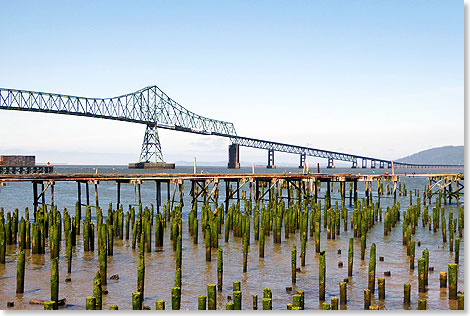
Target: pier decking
[258, 184]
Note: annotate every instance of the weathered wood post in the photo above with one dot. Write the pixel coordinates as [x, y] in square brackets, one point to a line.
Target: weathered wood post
[350, 256]
[97, 291]
[137, 301]
[321, 278]
[211, 297]
[160, 305]
[201, 302]
[452, 273]
[372, 264]
[220, 269]
[407, 293]
[90, 303]
[367, 295]
[294, 263]
[343, 296]
[237, 300]
[176, 298]
[381, 286]
[20, 263]
[55, 281]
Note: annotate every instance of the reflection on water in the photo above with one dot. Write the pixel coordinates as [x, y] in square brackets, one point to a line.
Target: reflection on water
[272, 271]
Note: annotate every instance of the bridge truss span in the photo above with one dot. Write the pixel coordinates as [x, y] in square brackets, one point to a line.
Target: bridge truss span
[149, 106]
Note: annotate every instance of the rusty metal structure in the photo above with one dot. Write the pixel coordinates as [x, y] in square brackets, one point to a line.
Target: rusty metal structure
[152, 107]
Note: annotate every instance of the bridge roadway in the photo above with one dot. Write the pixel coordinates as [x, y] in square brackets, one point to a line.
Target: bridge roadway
[152, 107]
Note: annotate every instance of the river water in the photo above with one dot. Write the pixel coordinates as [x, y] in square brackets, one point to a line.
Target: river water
[272, 271]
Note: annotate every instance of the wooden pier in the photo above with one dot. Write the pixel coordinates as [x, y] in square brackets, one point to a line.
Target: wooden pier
[257, 185]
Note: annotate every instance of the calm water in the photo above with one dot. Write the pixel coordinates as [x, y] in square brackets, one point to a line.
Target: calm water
[273, 271]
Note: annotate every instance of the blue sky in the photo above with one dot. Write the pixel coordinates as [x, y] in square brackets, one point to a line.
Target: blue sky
[376, 78]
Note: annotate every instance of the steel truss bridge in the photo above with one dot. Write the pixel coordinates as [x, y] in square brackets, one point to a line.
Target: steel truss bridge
[152, 107]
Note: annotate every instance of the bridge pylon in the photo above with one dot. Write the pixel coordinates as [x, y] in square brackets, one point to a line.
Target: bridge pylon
[151, 148]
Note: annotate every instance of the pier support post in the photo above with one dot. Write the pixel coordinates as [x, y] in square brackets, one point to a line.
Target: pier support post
[159, 195]
[52, 192]
[118, 194]
[355, 192]
[96, 194]
[43, 196]
[35, 198]
[364, 163]
[79, 193]
[87, 194]
[227, 193]
[168, 191]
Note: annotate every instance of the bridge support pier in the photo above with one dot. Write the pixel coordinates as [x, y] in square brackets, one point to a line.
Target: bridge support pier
[271, 159]
[372, 164]
[364, 163]
[330, 163]
[381, 164]
[233, 156]
[389, 165]
[354, 164]
[302, 160]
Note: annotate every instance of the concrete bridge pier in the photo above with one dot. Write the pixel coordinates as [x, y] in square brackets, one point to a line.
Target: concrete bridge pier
[381, 164]
[271, 164]
[372, 164]
[302, 160]
[330, 163]
[233, 156]
[364, 163]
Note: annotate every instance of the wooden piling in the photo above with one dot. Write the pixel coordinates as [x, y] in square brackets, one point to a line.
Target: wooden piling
[90, 303]
[267, 303]
[343, 295]
[160, 305]
[49, 305]
[407, 293]
[422, 304]
[322, 275]
[452, 278]
[97, 291]
[460, 301]
[55, 281]
[137, 301]
[3, 242]
[20, 263]
[255, 302]
[350, 256]
[237, 300]
[293, 263]
[381, 286]
[367, 295]
[220, 269]
[421, 275]
[103, 255]
[201, 302]
[176, 298]
[334, 303]
[443, 279]
[372, 264]
[211, 297]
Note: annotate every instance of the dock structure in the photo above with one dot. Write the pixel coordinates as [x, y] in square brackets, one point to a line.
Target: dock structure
[258, 186]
